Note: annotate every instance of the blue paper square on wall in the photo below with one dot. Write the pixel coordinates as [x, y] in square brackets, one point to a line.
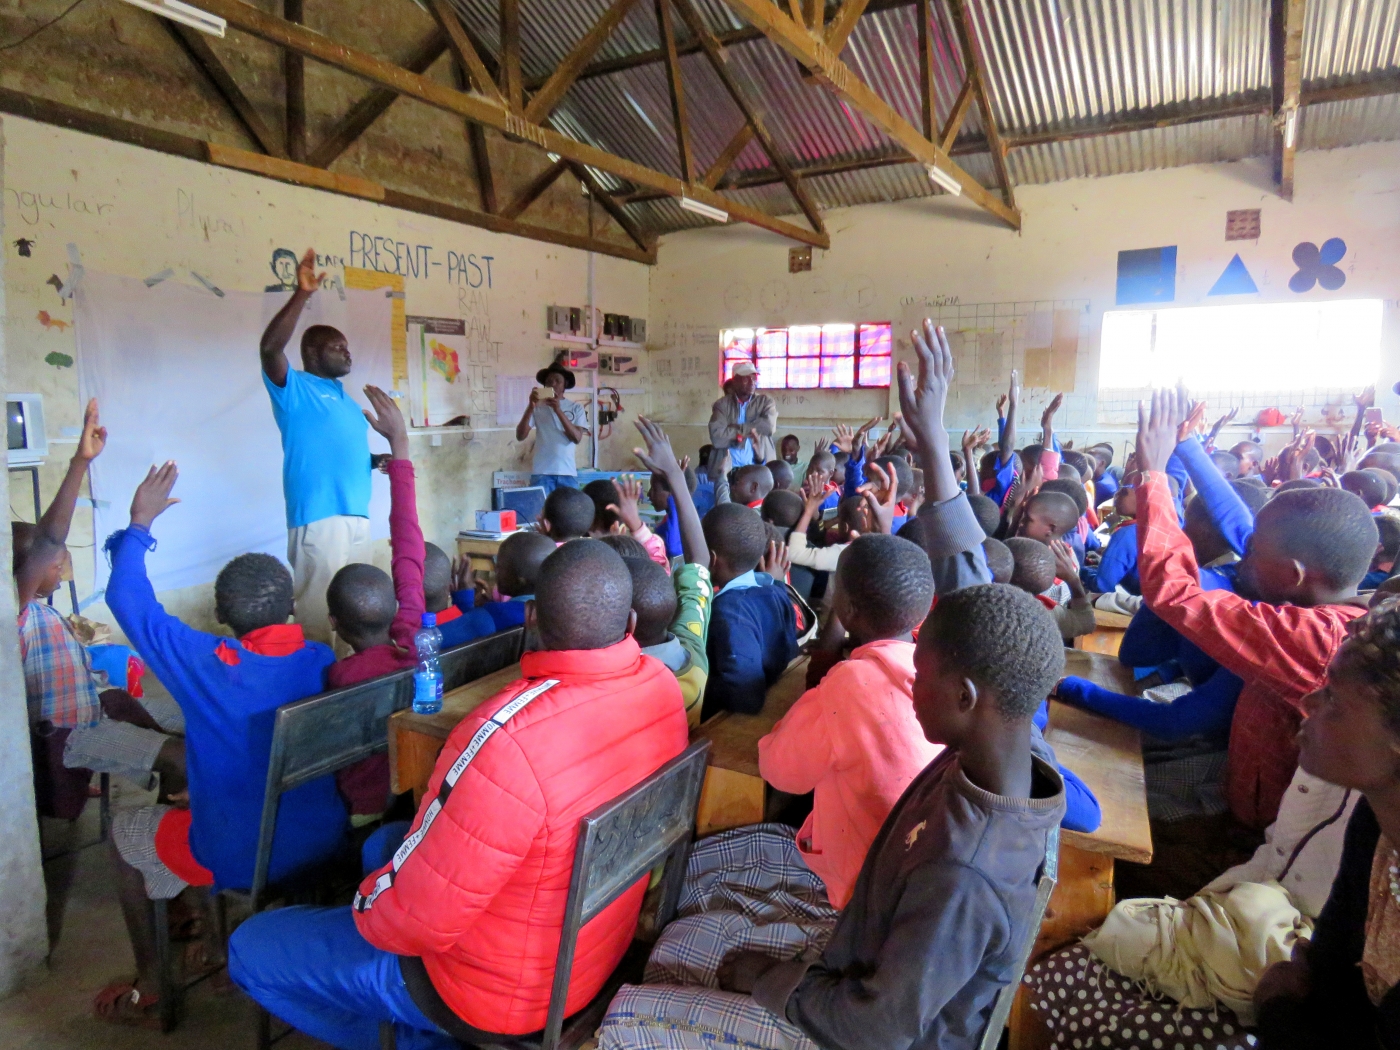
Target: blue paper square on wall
[1147, 275]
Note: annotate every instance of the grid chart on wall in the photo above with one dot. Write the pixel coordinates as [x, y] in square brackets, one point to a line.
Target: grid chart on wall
[1046, 340]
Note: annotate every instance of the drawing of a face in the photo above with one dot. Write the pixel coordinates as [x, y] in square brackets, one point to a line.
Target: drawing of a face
[284, 266]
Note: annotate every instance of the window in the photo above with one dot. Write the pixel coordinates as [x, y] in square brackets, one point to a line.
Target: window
[812, 356]
[1256, 349]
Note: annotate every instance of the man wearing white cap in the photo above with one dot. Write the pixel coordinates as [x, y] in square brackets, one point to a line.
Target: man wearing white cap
[742, 421]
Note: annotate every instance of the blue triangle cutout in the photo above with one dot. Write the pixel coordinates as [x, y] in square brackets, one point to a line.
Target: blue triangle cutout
[1235, 280]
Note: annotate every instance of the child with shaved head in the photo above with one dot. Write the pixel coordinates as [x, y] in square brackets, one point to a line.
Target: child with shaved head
[457, 935]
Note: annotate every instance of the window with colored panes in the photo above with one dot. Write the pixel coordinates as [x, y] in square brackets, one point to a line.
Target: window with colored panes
[812, 356]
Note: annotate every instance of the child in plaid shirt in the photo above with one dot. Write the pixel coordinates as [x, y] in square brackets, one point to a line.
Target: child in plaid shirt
[65, 708]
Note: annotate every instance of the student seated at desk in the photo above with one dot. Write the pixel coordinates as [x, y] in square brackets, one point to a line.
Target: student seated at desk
[1041, 569]
[518, 565]
[229, 690]
[753, 628]
[673, 613]
[377, 616]
[854, 739]
[751, 485]
[456, 938]
[458, 623]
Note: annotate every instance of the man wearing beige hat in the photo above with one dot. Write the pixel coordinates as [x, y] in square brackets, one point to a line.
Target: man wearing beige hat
[744, 422]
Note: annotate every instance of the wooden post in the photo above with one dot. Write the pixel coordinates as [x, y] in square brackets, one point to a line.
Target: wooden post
[294, 76]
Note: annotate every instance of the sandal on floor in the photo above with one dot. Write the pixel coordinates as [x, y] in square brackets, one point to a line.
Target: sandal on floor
[197, 964]
[121, 1003]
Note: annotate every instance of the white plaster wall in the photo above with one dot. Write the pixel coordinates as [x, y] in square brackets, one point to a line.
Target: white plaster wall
[134, 212]
[885, 260]
[23, 936]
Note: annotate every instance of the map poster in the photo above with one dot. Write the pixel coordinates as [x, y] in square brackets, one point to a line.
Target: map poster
[437, 351]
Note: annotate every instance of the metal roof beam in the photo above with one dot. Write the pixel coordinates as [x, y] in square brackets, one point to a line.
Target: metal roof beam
[359, 63]
[796, 41]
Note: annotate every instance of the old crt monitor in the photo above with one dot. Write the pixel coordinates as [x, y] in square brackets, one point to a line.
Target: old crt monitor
[25, 440]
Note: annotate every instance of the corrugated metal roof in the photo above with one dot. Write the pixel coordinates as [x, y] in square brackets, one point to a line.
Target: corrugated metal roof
[1052, 65]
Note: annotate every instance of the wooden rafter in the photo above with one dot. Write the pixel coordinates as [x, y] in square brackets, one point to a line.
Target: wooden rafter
[728, 156]
[719, 61]
[837, 32]
[1286, 67]
[928, 94]
[973, 61]
[480, 152]
[118, 130]
[249, 19]
[511, 85]
[958, 113]
[196, 46]
[610, 205]
[796, 41]
[463, 50]
[373, 105]
[563, 77]
[294, 78]
[534, 189]
[673, 80]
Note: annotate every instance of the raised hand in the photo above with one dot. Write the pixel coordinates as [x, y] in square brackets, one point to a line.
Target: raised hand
[719, 463]
[1366, 399]
[658, 457]
[1297, 422]
[94, 438]
[1001, 406]
[152, 497]
[865, 429]
[910, 441]
[1349, 452]
[1195, 418]
[1158, 427]
[388, 421]
[1013, 391]
[845, 438]
[881, 496]
[814, 492]
[1066, 565]
[975, 439]
[1048, 416]
[775, 561]
[629, 494]
[462, 576]
[308, 280]
[922, 399]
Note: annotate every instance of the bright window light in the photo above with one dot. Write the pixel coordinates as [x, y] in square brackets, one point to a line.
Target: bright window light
[1261, 347]
[807, 356]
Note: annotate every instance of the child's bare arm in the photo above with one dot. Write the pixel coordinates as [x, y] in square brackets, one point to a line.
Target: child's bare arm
[660, 457]
[52, 528]
[1007, 445]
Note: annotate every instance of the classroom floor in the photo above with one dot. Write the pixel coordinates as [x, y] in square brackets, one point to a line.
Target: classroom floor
[90, 948]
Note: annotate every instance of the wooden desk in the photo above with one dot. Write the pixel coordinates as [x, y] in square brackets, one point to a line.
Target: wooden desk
[1109, 628]
[415, 740]
[733, 793]
[482, 554]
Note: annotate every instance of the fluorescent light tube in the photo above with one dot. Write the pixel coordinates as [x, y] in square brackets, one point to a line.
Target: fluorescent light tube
[704, 209]
[184, 14]
[943, 180]
[1290, 128]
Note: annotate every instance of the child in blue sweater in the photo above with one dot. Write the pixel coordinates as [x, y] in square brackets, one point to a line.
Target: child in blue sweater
[229, 690]
[753, 627]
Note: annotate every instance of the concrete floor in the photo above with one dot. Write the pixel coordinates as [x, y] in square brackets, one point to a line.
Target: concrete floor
[90, 948]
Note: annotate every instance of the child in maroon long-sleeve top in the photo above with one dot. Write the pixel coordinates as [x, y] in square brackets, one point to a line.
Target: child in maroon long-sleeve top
[1297, 593]
[375, 615]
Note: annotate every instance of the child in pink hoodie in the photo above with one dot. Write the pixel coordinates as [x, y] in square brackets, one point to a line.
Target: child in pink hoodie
[853, 739]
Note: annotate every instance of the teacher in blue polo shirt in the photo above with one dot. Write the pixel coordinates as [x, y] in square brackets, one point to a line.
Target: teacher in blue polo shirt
[325, 453]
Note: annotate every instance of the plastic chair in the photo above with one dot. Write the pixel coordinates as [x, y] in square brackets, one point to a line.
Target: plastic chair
[1045, 886]
[618, 843]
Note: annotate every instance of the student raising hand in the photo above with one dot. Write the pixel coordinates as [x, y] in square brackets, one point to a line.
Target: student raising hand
[881, 495]
[921, 401]
[629, 494]
[388, 421]
[152, 497]
[1158, 426]
[775, 561]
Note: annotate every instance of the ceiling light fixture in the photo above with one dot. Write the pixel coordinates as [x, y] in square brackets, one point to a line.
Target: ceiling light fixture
[184, 14]
[707, 210]
[943, 180]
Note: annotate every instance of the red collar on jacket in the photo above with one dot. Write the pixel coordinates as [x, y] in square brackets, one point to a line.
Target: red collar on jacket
[448, 615]
[278, 639]
[609, 662]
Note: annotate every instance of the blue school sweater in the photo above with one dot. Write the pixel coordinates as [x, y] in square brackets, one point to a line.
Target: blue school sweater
[753, 637]
[472, 624]
[229, 711]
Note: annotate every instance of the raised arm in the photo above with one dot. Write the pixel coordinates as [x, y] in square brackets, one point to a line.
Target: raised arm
[951, 535]
[1222, 502]
[660, 458]
[1047, 422]
[51, 530]
[274, 339]
[1007, 441]
[405, 534]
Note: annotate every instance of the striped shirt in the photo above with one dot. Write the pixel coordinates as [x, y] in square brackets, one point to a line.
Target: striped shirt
[57, 676]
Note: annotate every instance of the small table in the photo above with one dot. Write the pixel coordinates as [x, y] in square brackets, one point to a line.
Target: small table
[415, 740]
[1109, 628]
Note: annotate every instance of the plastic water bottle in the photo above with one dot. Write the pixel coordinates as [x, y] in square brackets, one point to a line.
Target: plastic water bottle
[427, 679]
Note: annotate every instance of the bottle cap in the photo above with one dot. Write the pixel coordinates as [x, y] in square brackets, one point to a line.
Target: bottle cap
[429, 620]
